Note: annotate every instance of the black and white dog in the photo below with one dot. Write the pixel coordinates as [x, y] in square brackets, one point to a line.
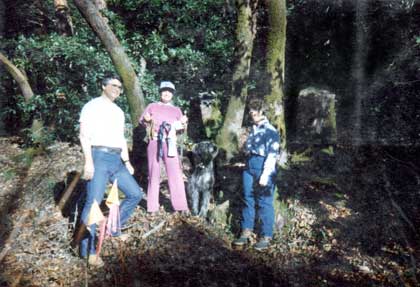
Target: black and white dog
[201, 182]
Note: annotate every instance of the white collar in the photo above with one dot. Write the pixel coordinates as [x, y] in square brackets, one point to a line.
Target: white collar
[261, 123]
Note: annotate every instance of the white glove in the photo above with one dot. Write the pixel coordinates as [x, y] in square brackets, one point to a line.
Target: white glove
[263, 179]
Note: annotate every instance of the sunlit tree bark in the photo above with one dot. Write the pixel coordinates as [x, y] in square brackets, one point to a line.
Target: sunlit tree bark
[120, 59]
[228, 137]
[18, 76]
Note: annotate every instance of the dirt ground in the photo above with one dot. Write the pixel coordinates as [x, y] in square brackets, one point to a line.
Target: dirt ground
[323, 242]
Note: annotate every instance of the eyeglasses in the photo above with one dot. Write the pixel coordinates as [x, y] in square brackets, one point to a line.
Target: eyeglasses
[117, 86]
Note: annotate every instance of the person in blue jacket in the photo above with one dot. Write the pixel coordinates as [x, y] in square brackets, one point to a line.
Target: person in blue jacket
[261, 148]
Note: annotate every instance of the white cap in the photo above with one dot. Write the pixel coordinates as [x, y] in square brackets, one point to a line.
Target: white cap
[166, 85]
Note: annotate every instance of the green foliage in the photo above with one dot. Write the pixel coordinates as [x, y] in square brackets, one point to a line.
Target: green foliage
[301, 157]
[328, 150]
[64, 74]
[282, 209]
[26, 158]
[187, 42]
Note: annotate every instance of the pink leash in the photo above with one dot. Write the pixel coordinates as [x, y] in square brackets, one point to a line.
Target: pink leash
[108, 226]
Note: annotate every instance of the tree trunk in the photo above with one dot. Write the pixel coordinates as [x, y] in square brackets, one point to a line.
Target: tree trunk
[276, 47]
[37, 127]
[3, 99]
[64, 22]
[18, 76]
[120, 59]
[228, 137]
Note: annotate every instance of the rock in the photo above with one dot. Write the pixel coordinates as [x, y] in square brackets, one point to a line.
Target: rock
[210, 113]
[316, 118]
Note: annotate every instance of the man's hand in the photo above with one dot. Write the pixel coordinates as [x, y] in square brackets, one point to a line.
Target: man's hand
[263, 179]
[129, 167]
[89, 170]
[147, 117]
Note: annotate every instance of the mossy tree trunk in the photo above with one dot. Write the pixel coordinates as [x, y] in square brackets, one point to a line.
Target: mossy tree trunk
[64, 22]
[228, 137]
[276, 47]
[274, 99]
[120, 59]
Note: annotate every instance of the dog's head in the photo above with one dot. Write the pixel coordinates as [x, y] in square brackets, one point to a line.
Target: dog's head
[204, 152]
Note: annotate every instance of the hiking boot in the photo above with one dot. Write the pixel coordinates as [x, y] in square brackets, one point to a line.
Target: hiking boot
[243, 239]
[263, 243]
[95, 261]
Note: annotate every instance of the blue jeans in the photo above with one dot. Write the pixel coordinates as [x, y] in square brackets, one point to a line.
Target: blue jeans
[108, 167]
[262, 195]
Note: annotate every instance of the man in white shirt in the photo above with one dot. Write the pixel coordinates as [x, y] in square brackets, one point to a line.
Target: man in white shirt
[106, 159]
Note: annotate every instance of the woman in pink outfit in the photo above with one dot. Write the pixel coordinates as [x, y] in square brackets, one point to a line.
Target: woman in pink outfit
[163, 120]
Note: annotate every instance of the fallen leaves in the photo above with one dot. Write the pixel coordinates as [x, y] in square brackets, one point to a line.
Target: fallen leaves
[176, 250]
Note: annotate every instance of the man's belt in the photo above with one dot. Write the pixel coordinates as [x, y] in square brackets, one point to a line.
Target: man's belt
[107, 149]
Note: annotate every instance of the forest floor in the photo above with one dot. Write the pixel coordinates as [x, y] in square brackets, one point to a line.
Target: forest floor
[328, 237]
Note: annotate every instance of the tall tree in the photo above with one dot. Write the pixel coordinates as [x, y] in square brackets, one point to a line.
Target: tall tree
[64, 22]
[276, 47]
[120, 59]
[228, 137]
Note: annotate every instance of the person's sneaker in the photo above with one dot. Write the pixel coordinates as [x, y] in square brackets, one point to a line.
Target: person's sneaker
[243, 239]
[263, 243]
[95, 261]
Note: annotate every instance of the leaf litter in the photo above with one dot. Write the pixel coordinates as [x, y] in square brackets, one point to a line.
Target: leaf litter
[172, 249]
